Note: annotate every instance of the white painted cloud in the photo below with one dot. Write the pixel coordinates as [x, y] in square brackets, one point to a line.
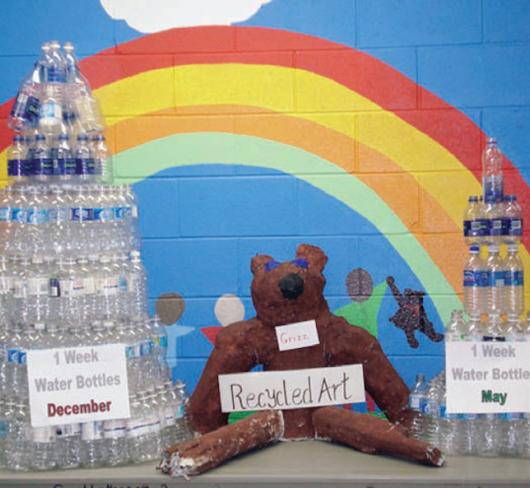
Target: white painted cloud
[156, 15]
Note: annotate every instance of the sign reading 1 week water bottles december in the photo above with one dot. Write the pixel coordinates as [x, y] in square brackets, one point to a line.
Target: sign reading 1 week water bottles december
[487, 377]
[77, 384]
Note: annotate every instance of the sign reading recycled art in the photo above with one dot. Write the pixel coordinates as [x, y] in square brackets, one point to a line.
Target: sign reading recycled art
[77, 384]
[487, 377]
[284, 390]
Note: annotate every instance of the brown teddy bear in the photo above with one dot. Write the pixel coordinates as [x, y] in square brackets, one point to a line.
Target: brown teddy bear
[286, 293]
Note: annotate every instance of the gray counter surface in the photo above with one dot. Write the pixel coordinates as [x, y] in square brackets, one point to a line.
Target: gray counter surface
[308, 464]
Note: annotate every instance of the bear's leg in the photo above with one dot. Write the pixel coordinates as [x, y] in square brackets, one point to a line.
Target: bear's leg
[372, 435]
[211, 449]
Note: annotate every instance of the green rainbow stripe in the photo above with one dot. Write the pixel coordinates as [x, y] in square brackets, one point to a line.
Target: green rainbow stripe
[224, 148]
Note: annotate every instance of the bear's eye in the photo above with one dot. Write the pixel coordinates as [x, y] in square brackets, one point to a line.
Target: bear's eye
[301, 263]
[270, 265]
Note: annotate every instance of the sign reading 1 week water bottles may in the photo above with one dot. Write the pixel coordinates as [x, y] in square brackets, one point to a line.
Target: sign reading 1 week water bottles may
[487, 377]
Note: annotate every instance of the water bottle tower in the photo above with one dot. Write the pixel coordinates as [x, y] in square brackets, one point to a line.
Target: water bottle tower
[71, 275]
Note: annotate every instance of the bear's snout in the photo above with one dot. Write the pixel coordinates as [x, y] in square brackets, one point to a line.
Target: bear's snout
[291, 286]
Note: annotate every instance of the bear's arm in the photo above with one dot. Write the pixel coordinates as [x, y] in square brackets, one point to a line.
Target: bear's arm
[235, 351]
[347, 344]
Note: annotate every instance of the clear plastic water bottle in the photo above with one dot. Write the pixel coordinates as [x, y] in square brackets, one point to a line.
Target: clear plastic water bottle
[182, 426]
[6, 201]
[475, 283]
[92, 444]
[476, 227]
[101, 157]
[137, 287]
[513, 282]
[37, 299]
[84, 159]
[43, 448]
[107, 289]
[139, 435]
[513, 221]
[417, 399]
[496, 275]
[86, 105]
[17, 160]
[115, 433]
[25, 111]
[68, 446]
[18, 439]
[153, 408]
[492, 174]
[41, 159]
[3, 428]
[62, 157]
[455, 329]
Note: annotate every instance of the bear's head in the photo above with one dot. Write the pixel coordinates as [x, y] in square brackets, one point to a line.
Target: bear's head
[292, 291]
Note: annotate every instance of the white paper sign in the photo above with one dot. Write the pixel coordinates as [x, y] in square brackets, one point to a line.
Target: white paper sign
[79, 384]
[487, 377]
[285, 390]
[297, 335]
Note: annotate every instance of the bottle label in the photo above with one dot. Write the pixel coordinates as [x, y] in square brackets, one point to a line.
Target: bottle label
[496, 278]
[5, 213]
[22, 357]
[92, 431]
[58, 215]
[122, 284]
[89, 285]
[170, 417]
[26, 107]
[77, 287]
[134, 211]
[37, 216]
[476, 228]
[55, 288]
[493, 188]
[509, 416]
[20, 288]
[19, 215]
[513, 227]
[5, 285]
[121, 213]
[85, 166]
[12, 356]
[470, 416]
[69, 166]
[162, 341]
[415, 402]
[133, 351]
[56, 74]
[67, 430]
[137, 427]
[15, 167]
[496, 227]
[65, 287]
[38, 286]
[514, 278]
[475, 278]
[81, 214]
[50, 113]
[133, 282]
[103, 214]
[42, 166]
[181, 410]
[114, 429]
[43, 435]
[108, 286]
[59, 166]
[3, 429]
[153, 424]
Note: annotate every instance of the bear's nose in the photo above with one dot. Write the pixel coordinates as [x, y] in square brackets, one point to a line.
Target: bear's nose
[291, 286]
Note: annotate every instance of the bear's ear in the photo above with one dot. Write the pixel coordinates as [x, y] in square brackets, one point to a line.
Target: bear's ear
[258, 262]
[314, 256]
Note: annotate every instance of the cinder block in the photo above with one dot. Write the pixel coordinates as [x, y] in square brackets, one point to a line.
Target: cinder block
[476, 75]
[411, 22]
[313, 18]
[194, 267]
[506, 21]
[238, 206]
